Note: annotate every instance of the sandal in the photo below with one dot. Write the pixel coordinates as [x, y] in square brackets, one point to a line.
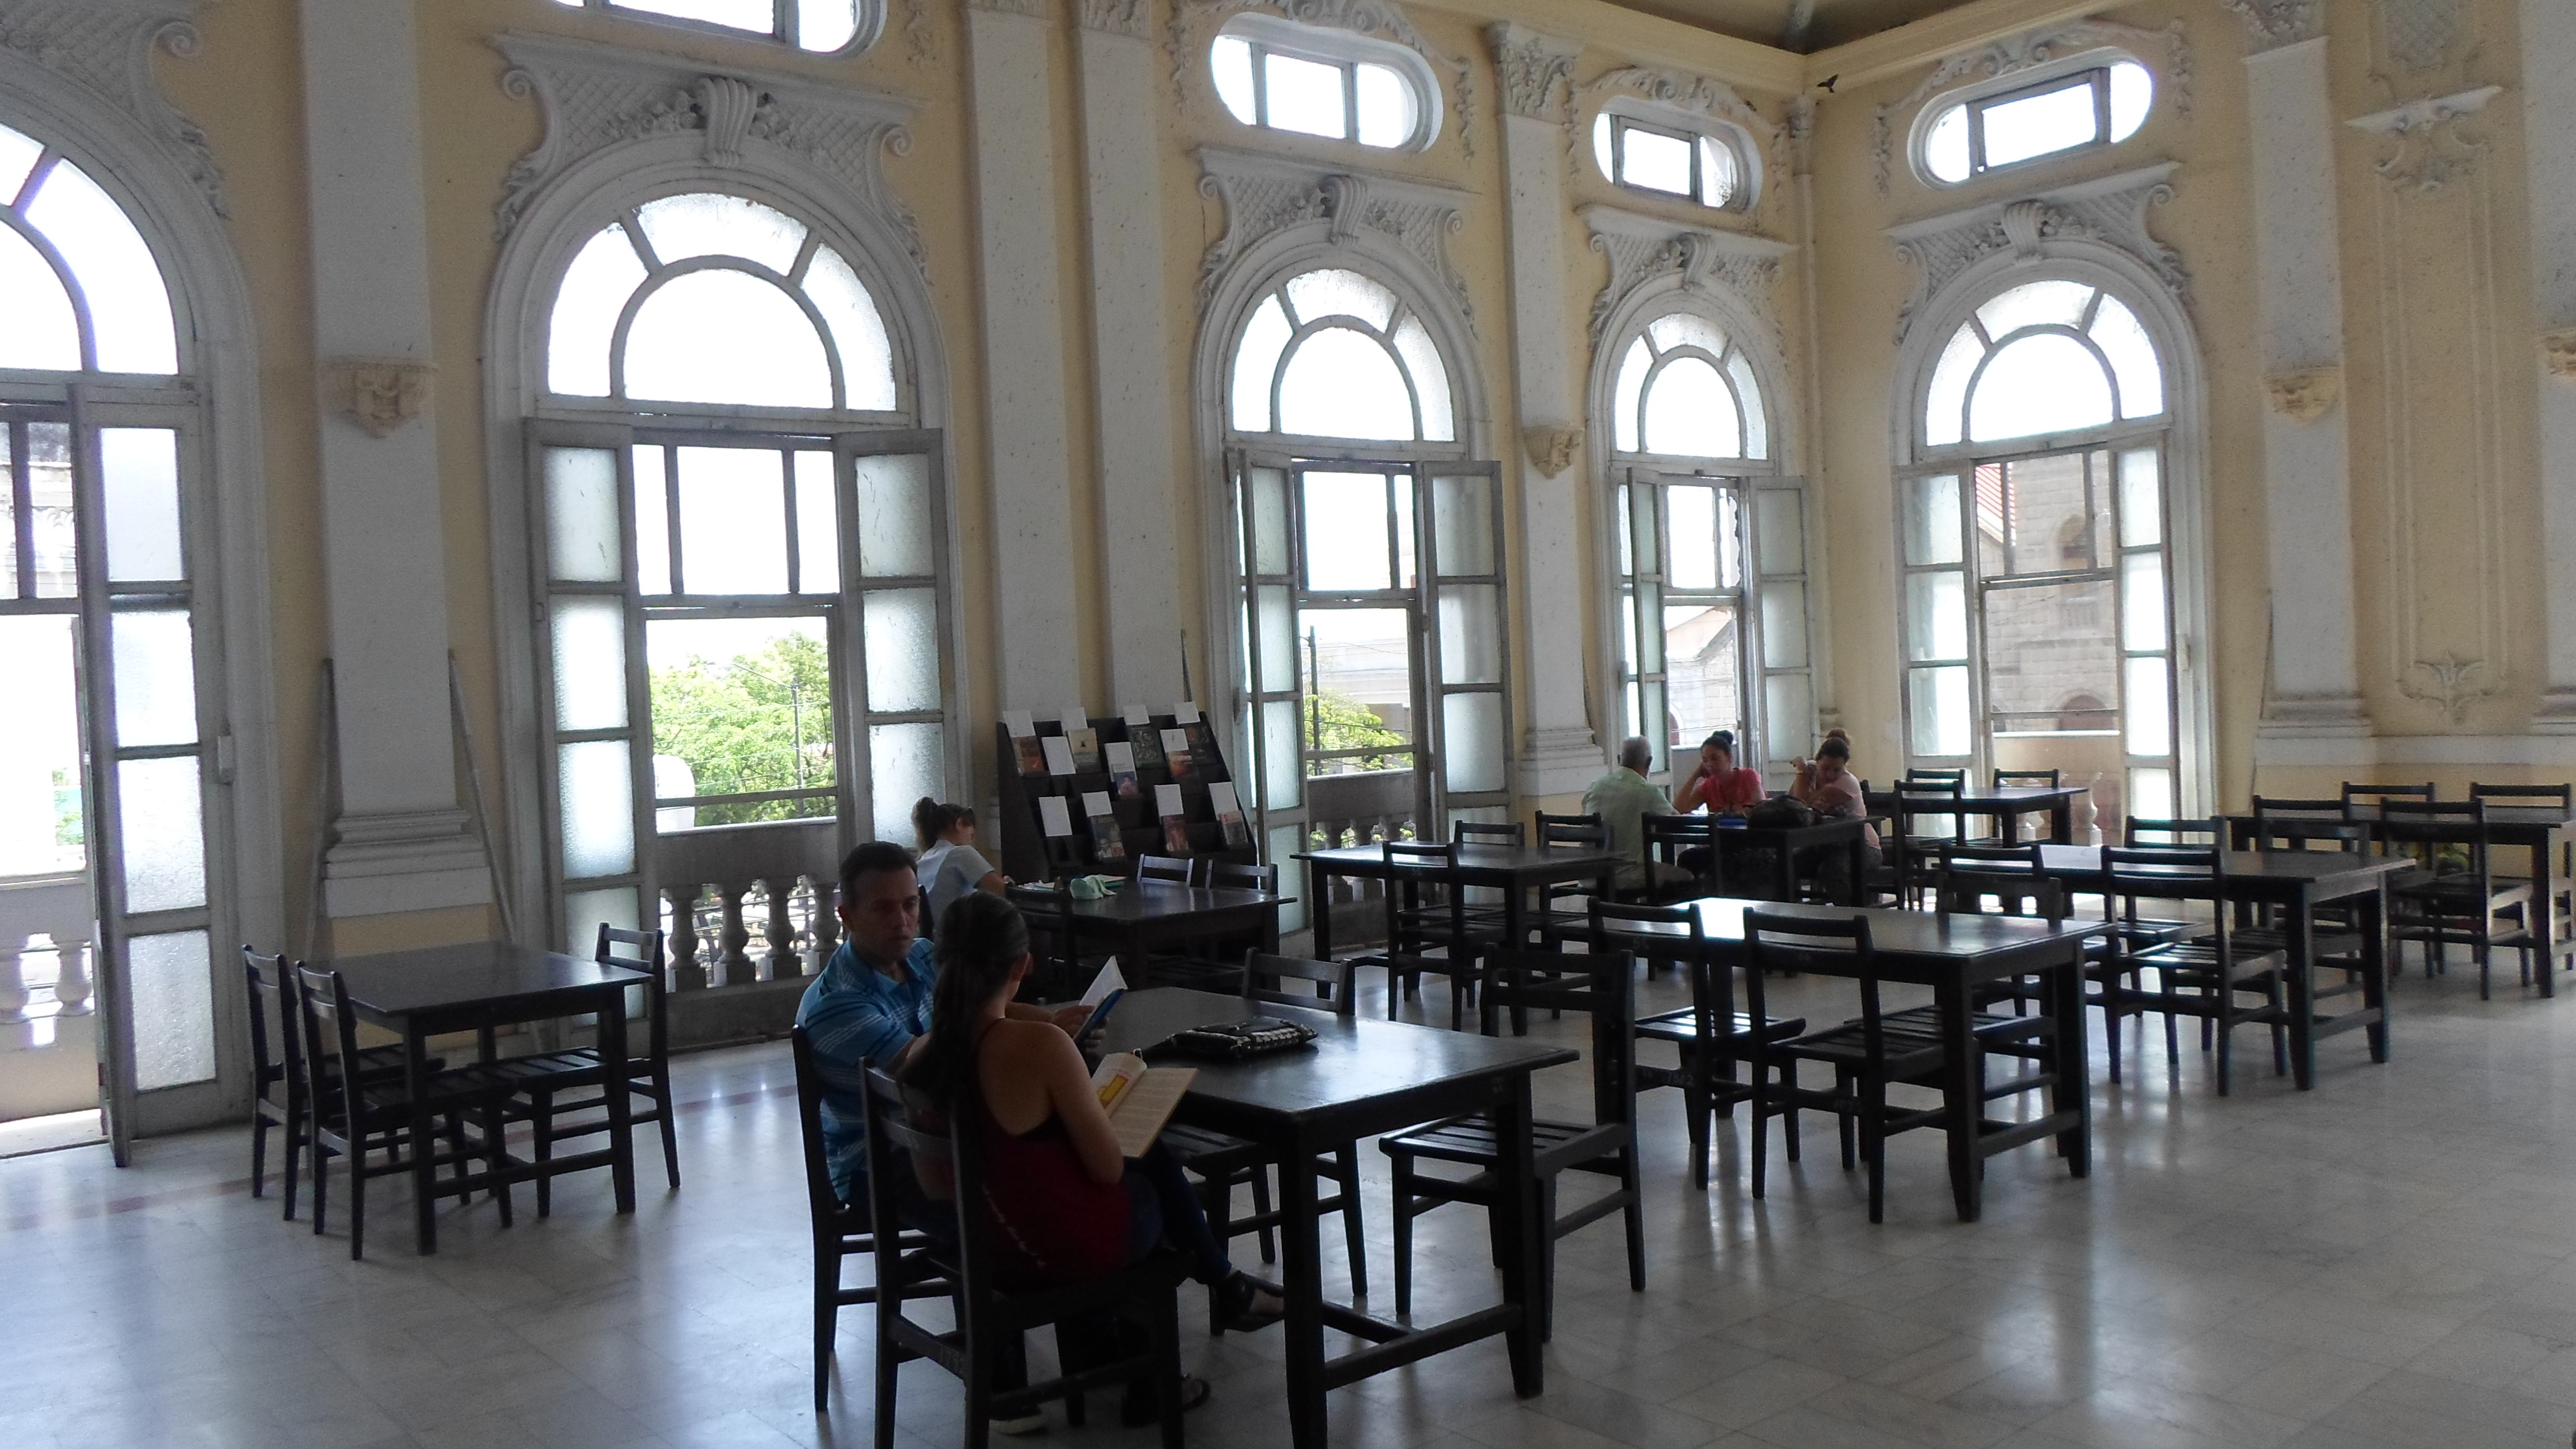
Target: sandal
[1141, 1408]
[1240, 1308]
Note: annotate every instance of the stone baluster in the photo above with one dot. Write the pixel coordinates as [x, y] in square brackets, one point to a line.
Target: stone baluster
[72, 989]
[827, 926]
[13, 977]
[736, 938]
[687, 972]
[784, 964]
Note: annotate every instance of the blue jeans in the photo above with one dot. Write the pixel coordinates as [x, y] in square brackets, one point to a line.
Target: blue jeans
[1163, 1207]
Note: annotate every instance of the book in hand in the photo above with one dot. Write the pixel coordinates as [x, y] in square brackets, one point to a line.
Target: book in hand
[1147, 744]
[1122, 771]
[1176, 825]
[1106, 843]
[1176, 753]
[1139, 1099]
[1059, 755]
[1085, 745]
[1229, 813]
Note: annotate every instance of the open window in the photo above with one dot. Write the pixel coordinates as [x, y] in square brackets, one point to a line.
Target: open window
[824, 26]
[1335, 84]
[2094, 101]
[1671, 153]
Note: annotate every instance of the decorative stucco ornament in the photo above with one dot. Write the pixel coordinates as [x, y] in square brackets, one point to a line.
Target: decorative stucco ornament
[2307, 394]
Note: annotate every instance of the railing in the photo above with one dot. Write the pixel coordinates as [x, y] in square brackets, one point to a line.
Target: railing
[48, 1033]
[745, 906]
[1362, 808]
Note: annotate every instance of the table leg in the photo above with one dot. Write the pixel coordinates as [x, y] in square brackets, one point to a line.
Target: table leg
[1857, 853]
[1965, 1104]
[1302, 1282]
[424, 1171]
[2061, 822]
[2374, 966]
[2303, 994]
[1270, 930]
[621, 1127]
[1525, 1283]
[1319, 909]
[2543, 910]
[2074, 1089]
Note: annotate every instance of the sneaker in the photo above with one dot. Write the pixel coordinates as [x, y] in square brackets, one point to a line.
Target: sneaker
[1029, 1423]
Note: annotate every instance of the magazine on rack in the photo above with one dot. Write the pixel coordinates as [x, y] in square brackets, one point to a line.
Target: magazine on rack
[1106, 842]
[1122, 770]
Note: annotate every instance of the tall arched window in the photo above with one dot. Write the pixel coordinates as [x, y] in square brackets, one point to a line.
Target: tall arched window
[2038, 623]
[1376, 699]
[1711, 546]
[743, 561]
[107, 773]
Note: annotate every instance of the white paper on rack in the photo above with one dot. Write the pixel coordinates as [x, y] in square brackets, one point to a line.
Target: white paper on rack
[1221, 796]
[1019, 723]
[1075, 719]
[1185, 713]
[1167, 800]
[1135, 714]
[1052, 816]
[1095, 802]
[1059, 755]
[1107, 981]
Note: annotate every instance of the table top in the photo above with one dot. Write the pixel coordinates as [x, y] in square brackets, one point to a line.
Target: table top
[472, 973]
[1514, 860]
[1979, 799]
[2280, 867]
[1948, 935]
[1353, 1059]
[1157, 900]
[2498, 816]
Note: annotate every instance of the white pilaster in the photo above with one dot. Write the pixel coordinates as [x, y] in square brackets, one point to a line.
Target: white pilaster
[1024, 374]
[1559, 755]
[2549, 144]
[402, 842]
[2308, 486]
[1131, 349]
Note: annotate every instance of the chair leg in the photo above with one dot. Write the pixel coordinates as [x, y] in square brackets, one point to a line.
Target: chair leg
[541, 1115]
[1847, 1092]
[321, 1182]
[827, 1314]
[1873, 1146]
[669, 1124]
[358, 1192]
[1634, 1212]
[292, 1130]
[1695, 1112]
[496, 1145]
[1546, 1256]
[1761, 1127]
[1346, 1173]
[1167, 1367]
[259, 1152]
[1403, 1236]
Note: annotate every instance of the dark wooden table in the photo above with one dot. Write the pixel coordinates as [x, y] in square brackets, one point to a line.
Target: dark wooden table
[1360, 1078]
[2539, 829]
[2294, 883]
[1149, 913]
[1951, 953]
[1786, 842]
[1515, 870]
[2005, 803]
[475, 987]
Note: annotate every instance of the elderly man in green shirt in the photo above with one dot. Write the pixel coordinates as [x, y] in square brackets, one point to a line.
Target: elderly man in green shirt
[1623, 799]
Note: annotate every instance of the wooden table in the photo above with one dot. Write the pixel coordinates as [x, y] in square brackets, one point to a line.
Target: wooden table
[2005, 803]
[477, 986]
[1785, 842]
[2295, 883]
[1515, 870]
[2539, 829]
[1360, 1078]
[1148, 913]
[1951, 953]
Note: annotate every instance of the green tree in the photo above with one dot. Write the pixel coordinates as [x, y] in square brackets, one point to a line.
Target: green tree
[1335, 721]
[755, 722]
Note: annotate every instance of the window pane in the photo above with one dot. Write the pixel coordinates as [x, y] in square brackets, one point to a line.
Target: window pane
[164, 835]
[753, 15]
[583, 541]
[1788, 716]
[1269, 489]
[824, 25]
[2052, 658]
[1346, 531]
[2142, 611]
[1944, 403]
[2133, 359]
[595, 288]
[2045, 383]
[1463, 513]
[172, 979]
[1275, 638]
[2036, 125]
[908, 761]
[2142, 513]
[37, 326]
[1945, 147]
[1407, 564]
[1703, 671]
[1430, 380]
[1690, 414]
[2151, 794]
[586, 911]
[8, 516]
[1473, 736]
[590, 663]
[1256, 365]
[1304, 95]
[733, 521]
[1386, 107]
[129, 305]
[1716, 171]
[2150, 708]
[2133, 92]
[1601, 152]
[1781, 531]
[1784, 625]
[1285, 841]
[1656, 161]
[2035, 304]
[903, 650]
[2057, 518]
[1932, 520]
[705, 224]
[1282, 773]
[1748, 389]
[139, 470]
[1343, 384]
[724, 336]
[1359, 687]
[1332, 292]
[598, 808]
[1471, 634]
[156, 677]
[818, 525]
[1936, 616]
[1231, 59]
[1625, 413]
[1627, 552]
[858, 332]
[1655, 721]
[49, 487]
[652, 521]
[1692, 560]
[1937, 699]
[742, 706]
[42, 828]
[1686, 329]
[894, 517]
[1649, 651]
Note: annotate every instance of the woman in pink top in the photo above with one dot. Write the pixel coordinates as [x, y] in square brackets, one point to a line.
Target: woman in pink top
[1719, 783]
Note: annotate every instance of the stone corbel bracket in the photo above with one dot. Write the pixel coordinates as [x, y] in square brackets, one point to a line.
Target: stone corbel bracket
[1266, 195]
[2558, 353]
[1536, 71]
[1645, 250]
[2428, 147]
[2305, 395]
[1552, 449]
[2111, 212]
[2026, 52]
[596, 96]
[106, 46]
[381, 396]
[1184, 38]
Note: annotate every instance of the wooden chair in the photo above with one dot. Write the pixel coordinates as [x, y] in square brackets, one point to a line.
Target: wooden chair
[2199, 834]
[1057, 974]
[990, 1317]
[1914, 845]
[1172, 870]
[1667, 840]
[1239, 876]
[1957, 777]
[2205, 977]
[2282, 825]
[1486, 917]
[1605, 1146]
[1224, 1163]
[2472, 905]
[1575, 834]
[2381, 794]
[2022, 779]
[2562, 933]
[841, 1229]
[1414, 929]
[554, 1091]
[280, 1084]
[355, 1116]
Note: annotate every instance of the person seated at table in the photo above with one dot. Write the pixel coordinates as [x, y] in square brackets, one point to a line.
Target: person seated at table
[1828, 787]
[950, 865]
[1063, 1203]
[1717, 783]
[1623, 799]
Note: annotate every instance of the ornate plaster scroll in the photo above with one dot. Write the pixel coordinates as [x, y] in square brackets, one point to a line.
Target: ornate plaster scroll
[1265, 195]
[2271, 24]
[1536, 71]
[106, 46]
[382, 396]
[2427, 145]
[2110, 212]
[1182, 39]
[2558, 353]
[2026, 52]
[1645, 250]
[597, 96]
[2451, 684]
[1551, 450]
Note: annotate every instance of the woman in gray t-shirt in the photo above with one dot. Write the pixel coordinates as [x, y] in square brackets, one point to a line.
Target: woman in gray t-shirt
[950, 866]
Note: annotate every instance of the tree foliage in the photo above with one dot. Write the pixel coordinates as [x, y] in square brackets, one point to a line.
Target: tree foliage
[1335, 721]
[755, 722]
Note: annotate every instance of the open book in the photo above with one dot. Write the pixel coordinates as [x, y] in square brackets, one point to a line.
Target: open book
[1139, 1099]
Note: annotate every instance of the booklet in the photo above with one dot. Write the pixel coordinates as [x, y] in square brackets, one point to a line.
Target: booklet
[1075, 719]
[1148, 745]
[1053, 817]
[1059, 755]
[1185, 713]
[1139, 1099]
[1229, 813]
[1137, 716]
[1122, 770]
[1108, 979]
[1024, 741]
[1176, 753]
[1085, 744]
[1106, 842]
[1176, 825]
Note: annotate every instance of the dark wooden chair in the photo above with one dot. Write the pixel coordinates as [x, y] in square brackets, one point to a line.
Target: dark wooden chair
[1914, 845]
[2562, 798]
[2381, 794]
[1605, 1146]
[842, 1230]
[2470, 905]
[991, 1315]
[281, 1085]
[354, 1116]
[1057, 973]
[2196, 834]
[1239, 876]
[555, 1092]
[2206, 977]
[2020, 779]
[1170, 869]
[1423, 916]
[2293, 825]
[1485, 917]
[1936, 777]
[1574, 834]
[1668, 839]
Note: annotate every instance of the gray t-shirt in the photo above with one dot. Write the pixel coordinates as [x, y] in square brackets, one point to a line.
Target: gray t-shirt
[949, 870]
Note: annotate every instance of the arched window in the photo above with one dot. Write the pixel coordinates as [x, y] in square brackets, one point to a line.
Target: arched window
[1315, 81]
[825, 26]
[742, 556]
[105, 636]
[2089, 101]
[1364, 531]
[2038, 623]
[1711, 547]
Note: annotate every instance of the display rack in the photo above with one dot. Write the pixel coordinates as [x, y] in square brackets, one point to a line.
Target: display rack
[1030, 854]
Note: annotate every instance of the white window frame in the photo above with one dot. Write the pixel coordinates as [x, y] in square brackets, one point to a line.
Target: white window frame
[2020, 85]
[785, 18]
[1345, 50]
[1626, 113]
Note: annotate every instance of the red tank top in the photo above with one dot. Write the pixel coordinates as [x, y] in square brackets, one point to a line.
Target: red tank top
[1050, 1222]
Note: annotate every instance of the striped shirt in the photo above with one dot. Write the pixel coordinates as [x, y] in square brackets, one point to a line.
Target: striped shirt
[852, 1014]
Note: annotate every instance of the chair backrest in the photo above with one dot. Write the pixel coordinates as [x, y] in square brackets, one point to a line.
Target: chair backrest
[2431, 824]
[1406, 890]
[1839, 945]
[2561, 796]
[1665, 837]
[1575, 832]
[897, 1144]
[1169, 868]
[2381, 794]
[2050, 779]
[2013, 874]
[2180, 834]
[1935, 777]
[1613, 991]
[1049, 912]
[1263, 971]
[824, 1203]
[1915, 802]
[2287, 824]
[1488, 832]
[641, 951]
[929, 928]
[1240, 876]
[330, 1042]
[271, 984]
[1690, 942]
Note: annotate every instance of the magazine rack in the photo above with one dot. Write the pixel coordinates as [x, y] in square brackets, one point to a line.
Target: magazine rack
[1030, 854]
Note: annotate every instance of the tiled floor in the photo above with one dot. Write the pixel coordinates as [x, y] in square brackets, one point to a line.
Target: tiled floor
[2389, 1260]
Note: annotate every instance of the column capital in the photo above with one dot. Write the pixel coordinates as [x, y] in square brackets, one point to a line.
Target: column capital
[2271, 24]
[1536, 70]
[1034, 9]
[1130, 18]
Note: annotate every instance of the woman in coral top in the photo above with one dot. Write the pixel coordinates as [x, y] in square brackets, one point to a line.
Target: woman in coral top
[1719, 783]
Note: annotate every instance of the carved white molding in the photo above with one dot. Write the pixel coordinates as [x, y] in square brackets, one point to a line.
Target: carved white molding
[2306, 394]
[381, 396]
[107, 45]
[1645, 249]
[596, 96]
[2270, 24]
[1265, 195]
[1183, 40]
[2111, 211]
[2427, 146]
[1132, 18]
[920, 43]
[1536, 71]
[2558, 353]
[1034, 9]
[1551, 450]
[2451, 684]
[2027, 52]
